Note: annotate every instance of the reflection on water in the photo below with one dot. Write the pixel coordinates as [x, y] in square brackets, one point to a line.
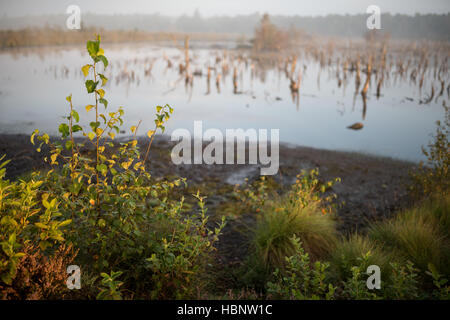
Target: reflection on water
[378, 104]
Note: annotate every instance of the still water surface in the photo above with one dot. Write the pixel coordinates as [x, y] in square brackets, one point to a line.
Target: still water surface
[33, 87]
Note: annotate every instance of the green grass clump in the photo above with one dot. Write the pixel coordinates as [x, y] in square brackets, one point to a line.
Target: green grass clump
[419, 234]
[304, 212]
[436, 210]
[348, 252]
[272, 239]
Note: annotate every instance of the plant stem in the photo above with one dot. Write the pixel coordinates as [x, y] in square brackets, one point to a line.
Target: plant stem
[96, 146]
[149, 145]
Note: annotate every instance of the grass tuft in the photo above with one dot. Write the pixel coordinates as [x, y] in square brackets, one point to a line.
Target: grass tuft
[420, 234]
[284, 219]
[348, 252]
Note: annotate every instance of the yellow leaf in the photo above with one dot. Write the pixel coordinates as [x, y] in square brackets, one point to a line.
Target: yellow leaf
[53, 157]
[89, 107]
[127, 164]
[137, 165]
[104, 81]
[133, 129]
[40, 225]
[112, 135]
[35, 132]
[101, 52]
[150, 133]
[91, 135]
[101, 92]
[85, 70]
[99, 131]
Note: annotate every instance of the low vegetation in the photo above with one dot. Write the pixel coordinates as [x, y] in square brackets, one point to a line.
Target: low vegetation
[302, 213]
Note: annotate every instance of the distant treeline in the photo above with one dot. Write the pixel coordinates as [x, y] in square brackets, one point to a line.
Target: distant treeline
[51, 36]
[429, 26]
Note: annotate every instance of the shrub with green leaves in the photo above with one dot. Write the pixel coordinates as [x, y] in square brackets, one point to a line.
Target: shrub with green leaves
[124, 220]
[441, 290]
[253, 196]
[433, 177]
[111, 286]
[355, 286]
[404, 282]
[26, 215]
[299, 279]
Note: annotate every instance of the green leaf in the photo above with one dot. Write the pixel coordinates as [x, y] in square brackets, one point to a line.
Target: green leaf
[75, 115]
[69, 144]
[40, 225]
[94, 125]
[91, 85]
[69, 98]
[12, 238]
[92, 48]
[76, 128]
[101, 223]
[64, 129]
[104, 60]
[104, 102]
[6, 278]
[44, 245]
[64, 223]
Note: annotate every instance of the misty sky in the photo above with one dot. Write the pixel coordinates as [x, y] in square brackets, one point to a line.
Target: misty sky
[222, 7]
